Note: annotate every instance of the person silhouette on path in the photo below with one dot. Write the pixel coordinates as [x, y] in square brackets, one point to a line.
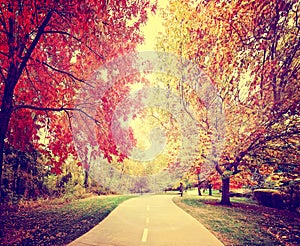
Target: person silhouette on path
[181, 189]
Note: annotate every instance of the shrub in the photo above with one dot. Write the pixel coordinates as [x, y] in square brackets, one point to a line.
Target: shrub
[269, 198]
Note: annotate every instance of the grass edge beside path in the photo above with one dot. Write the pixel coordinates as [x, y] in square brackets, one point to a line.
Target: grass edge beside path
[55, 224]
[243, 223]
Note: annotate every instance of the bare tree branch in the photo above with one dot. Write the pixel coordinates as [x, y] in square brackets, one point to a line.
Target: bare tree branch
[3, 53]
[77, 39]
[61, 71]
[33, 44]
[32, 84]
[66, 73]
[59, 109]
[2, 75]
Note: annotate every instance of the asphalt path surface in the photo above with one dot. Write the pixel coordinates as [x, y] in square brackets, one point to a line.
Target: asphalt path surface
[148, 220]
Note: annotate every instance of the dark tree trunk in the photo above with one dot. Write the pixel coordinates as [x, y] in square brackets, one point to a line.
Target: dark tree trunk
[199, 185]
[210, 189]
[199, 190]
[14, 73]
[1, 164]
[86, 179]
[5, 115]
[225, 192]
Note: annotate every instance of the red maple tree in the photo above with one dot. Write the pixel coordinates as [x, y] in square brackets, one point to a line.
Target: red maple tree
[48, 51]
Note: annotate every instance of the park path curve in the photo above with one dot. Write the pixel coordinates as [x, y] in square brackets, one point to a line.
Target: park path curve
[148, 220]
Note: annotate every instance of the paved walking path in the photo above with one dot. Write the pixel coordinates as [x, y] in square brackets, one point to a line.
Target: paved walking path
[148, 220]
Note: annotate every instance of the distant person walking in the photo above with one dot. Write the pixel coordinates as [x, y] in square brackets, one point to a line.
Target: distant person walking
[181, 189]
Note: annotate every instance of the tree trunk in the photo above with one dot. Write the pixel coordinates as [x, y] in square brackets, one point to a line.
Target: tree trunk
[14, 73]
[86, 179]
[199, 190]
[1, 164]
[225, 192]
[5, 115]
[199, 185]
[210, 189]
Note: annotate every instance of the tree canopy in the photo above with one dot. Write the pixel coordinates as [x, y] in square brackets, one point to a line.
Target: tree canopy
[250, 49]
[49, 50]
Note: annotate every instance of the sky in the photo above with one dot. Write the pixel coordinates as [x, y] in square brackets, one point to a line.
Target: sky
[153, 27]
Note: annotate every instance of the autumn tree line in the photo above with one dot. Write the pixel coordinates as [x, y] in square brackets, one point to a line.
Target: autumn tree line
[250, 50]
[50, 49]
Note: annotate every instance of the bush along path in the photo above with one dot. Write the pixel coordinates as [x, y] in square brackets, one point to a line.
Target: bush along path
[54, 223]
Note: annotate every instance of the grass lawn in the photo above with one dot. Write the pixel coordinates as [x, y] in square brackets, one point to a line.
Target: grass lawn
[245, 223]
[52, 223]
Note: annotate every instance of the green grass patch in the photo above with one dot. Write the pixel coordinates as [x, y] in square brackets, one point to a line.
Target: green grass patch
[244, 223]
[54, 223]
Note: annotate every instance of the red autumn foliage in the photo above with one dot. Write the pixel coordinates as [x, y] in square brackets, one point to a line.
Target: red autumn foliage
[48, 51]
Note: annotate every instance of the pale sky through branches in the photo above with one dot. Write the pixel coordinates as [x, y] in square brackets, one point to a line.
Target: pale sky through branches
[153, 27]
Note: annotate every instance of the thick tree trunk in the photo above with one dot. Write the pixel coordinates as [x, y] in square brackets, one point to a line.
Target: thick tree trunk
[1, 164]
[14, 73]
[225, 192]
[5, 117]
[225, 186]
